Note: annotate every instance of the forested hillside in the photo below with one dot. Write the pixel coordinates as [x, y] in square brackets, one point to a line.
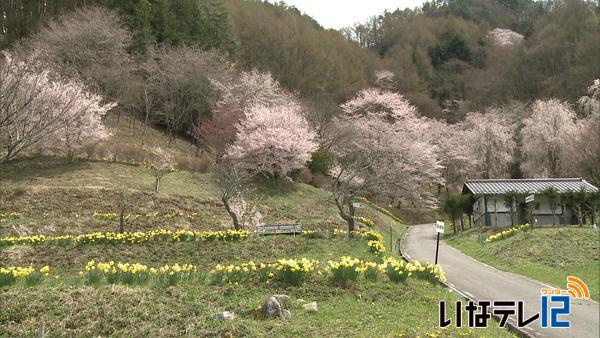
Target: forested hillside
[490, 88]
[442, 54]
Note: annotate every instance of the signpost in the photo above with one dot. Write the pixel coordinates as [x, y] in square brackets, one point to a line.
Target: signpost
[529, 200]
[439, 229]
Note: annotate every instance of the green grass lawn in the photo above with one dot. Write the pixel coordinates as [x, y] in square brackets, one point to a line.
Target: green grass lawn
[71, 308]
[548, 254]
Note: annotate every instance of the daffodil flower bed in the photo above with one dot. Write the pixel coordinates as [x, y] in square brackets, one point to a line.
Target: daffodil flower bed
[12, 214]
[345, 270]
[376, 247]
[235, 274]
[135, 273]
[365, 221]
[288, 271]
[112, 216]
[30, 275]
[127, 237]
[507, 233]
[294, 271]
[399, 271]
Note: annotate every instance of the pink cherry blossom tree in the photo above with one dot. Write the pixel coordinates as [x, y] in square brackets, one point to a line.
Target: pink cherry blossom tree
[382, 152]
[273, 140]
[547, 138]
[249, 89]
[490, 143]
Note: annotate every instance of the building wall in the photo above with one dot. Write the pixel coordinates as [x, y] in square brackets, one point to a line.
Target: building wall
[501, 218]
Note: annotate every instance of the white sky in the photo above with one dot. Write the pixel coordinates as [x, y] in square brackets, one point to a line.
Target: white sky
[337, 14]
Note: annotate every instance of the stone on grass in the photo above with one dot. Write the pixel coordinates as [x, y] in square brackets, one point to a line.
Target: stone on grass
[311, 307]
[226, 315]
[274, 307]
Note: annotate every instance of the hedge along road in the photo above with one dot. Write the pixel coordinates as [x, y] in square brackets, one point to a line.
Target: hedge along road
[480, 281]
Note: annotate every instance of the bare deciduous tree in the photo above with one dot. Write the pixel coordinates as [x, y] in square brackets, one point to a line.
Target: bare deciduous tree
[91, 44]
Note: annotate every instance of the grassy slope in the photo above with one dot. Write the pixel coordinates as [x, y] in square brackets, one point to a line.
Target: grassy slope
[31, 187]
[55, 197]
[546, 254]
[70, 308]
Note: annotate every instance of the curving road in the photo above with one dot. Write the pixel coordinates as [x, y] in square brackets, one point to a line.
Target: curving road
[479, 281]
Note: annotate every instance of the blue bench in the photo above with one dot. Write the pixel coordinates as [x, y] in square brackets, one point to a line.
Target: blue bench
[278, 229]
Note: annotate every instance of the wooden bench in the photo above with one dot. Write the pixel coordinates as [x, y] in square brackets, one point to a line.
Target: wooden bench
[278, 229]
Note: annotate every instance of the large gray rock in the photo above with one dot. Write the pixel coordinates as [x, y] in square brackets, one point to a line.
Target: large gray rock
[274, 307]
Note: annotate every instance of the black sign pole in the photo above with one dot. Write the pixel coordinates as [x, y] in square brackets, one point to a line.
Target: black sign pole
[437, 247]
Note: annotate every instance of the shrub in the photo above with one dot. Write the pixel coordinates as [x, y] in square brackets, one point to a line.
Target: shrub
[305, 176]
[321, 161]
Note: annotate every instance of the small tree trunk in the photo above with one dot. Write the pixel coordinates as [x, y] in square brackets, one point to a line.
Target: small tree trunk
[8, 155]
[554, 216]
[70, 156]
[157, 183]
[232, 214]
[122, 219]
[462, 225]
[351, 224]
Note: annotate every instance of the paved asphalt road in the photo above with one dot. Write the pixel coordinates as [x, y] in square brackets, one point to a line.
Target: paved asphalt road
[483, 282]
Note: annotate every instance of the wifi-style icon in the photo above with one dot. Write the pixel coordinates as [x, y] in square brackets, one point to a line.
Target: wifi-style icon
[577, 288]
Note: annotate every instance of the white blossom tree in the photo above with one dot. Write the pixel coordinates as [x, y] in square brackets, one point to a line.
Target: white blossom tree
[586, 146]
[273, 140]
[453, 151]
[491, 145]
[35, 107]
[162, 163]
[547, 139]
[382, 152]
